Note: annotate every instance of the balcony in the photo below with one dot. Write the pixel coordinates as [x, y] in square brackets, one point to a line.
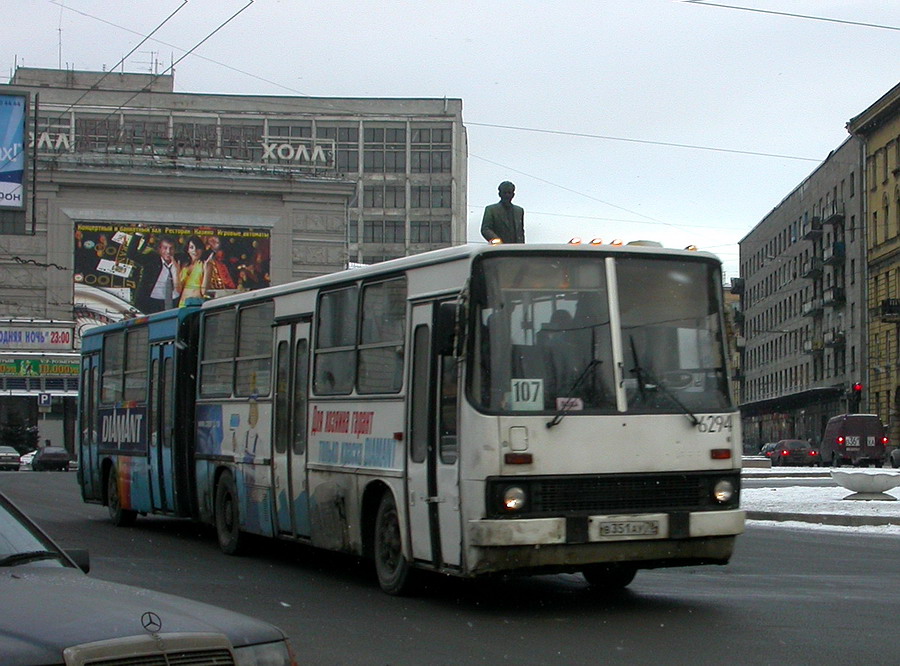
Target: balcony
[812, 229]
[813, 346]
[737, 286]
[812, 308]
[835, 338]
[812, 268]
[834, 254]
[834, 216]
[890, 310]
[833, 296]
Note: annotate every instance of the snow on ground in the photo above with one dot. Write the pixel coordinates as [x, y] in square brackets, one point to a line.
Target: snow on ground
[817, 500]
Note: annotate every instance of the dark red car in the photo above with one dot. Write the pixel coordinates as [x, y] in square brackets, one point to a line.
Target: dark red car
[51, 458]
[795, 452]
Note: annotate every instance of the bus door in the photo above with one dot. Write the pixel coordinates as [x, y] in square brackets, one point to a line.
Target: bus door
[88, 455]
[289, 428]
[432, 463]
[161, 426]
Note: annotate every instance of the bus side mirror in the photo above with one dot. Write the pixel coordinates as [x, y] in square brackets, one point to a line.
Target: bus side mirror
[447, 316]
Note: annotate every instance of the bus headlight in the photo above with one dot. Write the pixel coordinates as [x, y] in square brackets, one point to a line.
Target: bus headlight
[514, 498]
[723, 491]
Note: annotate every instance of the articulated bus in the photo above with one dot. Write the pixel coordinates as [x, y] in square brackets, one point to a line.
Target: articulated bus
[471, 411]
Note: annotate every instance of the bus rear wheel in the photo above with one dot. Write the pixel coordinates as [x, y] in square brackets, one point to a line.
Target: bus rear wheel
[395, 576]
[120, 517]
[609, 577]
[228, 517]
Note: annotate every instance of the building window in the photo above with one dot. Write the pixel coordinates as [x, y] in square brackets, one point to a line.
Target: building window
[429, 231]
[242, 142]
[430, 196]
[384, 231]
[12, 222]
[384, 196]
[430, 150]
[346, 144]
[384, 150]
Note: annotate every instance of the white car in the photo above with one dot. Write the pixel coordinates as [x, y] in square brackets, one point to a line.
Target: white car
[26, 458]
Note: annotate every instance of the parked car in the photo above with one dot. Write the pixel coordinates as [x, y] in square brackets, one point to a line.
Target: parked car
[26, 458]
[51, 458]
[857, 439]
[795, 452]
[767, 449]
[9, 458]
[43, 588]
[895, 458]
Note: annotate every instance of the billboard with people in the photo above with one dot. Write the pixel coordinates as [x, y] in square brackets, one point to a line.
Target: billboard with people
[143, 269]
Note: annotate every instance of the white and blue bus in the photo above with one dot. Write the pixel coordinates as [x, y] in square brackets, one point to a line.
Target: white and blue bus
[470, 411]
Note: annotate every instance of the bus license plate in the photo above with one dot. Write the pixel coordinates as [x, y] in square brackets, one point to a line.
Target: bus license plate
[611, 529]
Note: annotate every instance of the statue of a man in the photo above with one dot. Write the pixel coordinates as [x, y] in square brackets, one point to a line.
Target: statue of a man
[504, 222]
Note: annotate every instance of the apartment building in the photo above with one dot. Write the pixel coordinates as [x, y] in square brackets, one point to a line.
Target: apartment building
[879, 128]
[803, 310]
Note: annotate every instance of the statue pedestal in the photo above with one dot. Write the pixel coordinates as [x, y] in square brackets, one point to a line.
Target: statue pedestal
[866, 484]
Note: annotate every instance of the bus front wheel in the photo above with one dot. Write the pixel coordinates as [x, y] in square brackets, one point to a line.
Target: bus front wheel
[120, 517]
[228, 517]
[394, 573]
[609, 577]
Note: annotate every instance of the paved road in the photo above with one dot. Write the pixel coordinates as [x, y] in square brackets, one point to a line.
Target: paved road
[787, 597]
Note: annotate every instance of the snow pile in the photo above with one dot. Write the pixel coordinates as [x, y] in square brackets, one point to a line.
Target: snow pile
[816, 500]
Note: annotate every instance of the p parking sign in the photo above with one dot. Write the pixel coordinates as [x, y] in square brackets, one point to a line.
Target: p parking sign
[45, 401]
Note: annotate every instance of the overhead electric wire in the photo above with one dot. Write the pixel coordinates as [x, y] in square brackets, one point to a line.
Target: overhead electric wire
[644, 141]
[185, 55]
[493, 125]
[792, 15]
[121, 60]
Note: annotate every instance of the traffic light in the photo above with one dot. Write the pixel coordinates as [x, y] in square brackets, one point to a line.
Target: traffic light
[856, 396]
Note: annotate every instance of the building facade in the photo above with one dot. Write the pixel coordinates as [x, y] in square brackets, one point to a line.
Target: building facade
[803, 310]
[879, 128]
[276, 188]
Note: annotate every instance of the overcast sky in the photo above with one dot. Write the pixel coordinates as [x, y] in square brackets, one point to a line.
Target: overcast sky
[635, 119]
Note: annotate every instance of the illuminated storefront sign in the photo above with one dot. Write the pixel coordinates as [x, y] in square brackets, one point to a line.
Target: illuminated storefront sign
[37, 367]
[37, 337]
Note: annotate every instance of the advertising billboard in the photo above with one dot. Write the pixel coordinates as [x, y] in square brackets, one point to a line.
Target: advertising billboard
[13, 109]
[128, 269]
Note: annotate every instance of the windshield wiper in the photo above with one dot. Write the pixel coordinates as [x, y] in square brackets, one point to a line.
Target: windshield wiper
[642, 375]
[30, 556]
[562, 413]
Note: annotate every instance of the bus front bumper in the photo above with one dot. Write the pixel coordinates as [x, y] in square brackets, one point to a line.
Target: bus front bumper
[567, 544]
[609, 528]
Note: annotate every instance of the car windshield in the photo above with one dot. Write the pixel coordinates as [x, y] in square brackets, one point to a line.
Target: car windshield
[550, 332]
[19, 544]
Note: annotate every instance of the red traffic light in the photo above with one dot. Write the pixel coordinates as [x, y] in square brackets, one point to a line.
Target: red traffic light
[857, 387]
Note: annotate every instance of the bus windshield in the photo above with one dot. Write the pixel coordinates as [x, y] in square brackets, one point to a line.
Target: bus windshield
[551, 331]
